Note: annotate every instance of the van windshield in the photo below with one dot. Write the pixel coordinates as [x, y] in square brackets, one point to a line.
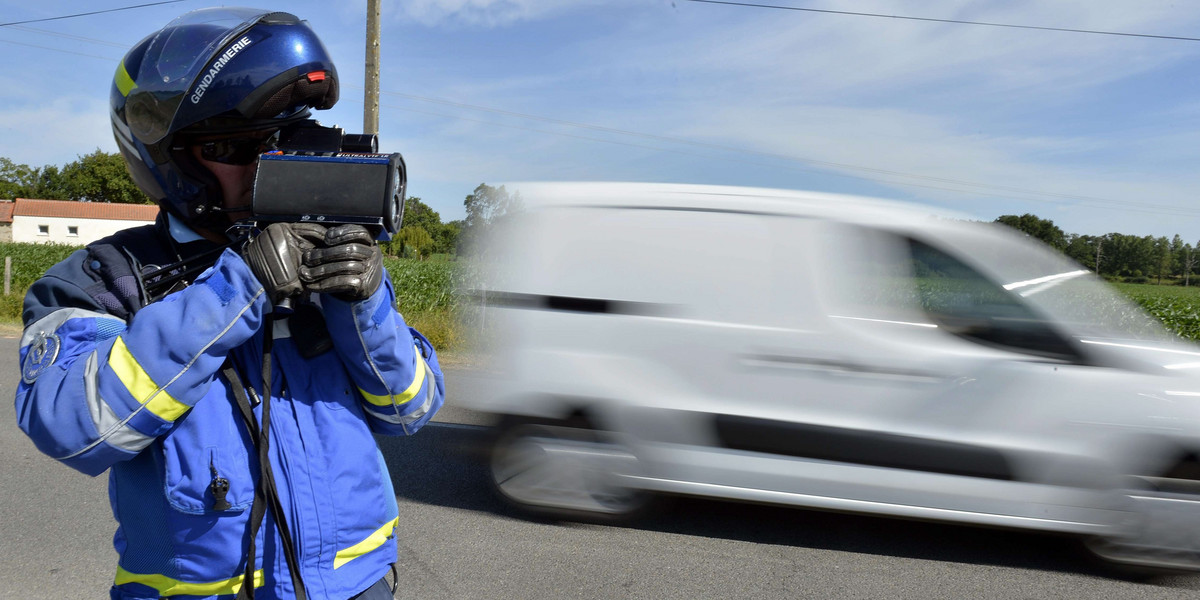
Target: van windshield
[1056, 286]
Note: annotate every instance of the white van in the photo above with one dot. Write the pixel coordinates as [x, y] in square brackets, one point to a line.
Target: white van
[830, 352]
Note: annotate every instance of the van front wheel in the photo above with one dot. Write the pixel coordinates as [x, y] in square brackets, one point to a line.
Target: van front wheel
[550, 470]
[1162, 536]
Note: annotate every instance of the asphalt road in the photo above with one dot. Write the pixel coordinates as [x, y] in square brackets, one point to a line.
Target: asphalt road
[457, 541]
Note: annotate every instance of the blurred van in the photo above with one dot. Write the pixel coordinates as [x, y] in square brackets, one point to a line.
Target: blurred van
[829, 352]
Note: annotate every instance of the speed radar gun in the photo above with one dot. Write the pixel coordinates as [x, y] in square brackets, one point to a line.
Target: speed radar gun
[315, 174]
[323, 175]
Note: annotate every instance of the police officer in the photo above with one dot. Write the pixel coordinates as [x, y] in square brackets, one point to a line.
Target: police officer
[222, 484]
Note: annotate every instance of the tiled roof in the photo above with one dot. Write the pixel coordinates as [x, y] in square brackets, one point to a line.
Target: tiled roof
[27, 207]
[6, 210]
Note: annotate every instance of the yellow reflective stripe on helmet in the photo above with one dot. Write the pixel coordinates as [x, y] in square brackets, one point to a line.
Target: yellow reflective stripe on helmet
[407, 394]
[141, 386]
[173, 587]
[372, 542]
[124, 82]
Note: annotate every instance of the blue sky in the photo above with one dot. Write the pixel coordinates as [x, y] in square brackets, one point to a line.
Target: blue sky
[1099, 133]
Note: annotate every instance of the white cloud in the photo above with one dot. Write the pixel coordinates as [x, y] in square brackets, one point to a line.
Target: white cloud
[824, 56]
[890, 143]
[935, 100]
[485, 13]
[55, 132]
[1062, 113]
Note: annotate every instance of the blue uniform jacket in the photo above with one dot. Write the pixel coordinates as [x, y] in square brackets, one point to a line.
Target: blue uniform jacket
[107, 384]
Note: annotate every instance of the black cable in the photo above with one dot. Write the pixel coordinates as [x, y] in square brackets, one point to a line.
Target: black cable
[266, 494]
[815, 163]
[161, 280]
[72, 37]
[104, 58]
[818, 167]
[953, 21]
[94, 12]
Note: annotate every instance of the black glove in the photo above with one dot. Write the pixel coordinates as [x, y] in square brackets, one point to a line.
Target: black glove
[345, 263]
[274, 256]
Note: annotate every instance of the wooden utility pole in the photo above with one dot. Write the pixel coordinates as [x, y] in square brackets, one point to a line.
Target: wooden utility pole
[371, 96]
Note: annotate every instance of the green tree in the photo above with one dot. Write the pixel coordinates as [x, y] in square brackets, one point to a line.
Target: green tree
[446, 240]
[418, 214]
[1187, 261]
[16, 180]
[441, 237]
[414, 240]
[1129, 256]
[487, 203]
[484, 206]
[50, 185]
[1119, 254]
[444, 236]
[1176, 256]
[1042, 229]
[97, 177]
[1162, 257]
[101, 177]
[1083, 249]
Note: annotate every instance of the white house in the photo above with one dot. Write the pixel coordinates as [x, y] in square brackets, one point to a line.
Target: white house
[76, 223]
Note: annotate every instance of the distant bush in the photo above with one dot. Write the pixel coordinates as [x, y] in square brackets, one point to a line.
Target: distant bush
[29, 263]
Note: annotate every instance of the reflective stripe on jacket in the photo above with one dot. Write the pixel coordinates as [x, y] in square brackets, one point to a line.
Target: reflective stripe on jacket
[143, 399]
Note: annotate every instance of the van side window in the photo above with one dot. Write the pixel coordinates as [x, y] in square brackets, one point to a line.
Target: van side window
[964, 302]
[873, 278]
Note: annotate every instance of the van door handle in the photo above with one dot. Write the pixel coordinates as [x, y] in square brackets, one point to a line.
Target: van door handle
[837, 367]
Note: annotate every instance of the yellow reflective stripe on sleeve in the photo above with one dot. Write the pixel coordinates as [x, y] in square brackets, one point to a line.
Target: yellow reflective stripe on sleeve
[407, 394]
[372, 542]
[173, 587]
[139, 383]
[124, 82]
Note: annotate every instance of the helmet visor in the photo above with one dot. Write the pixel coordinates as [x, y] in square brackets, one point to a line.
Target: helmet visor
[183, 47]
[173, 61]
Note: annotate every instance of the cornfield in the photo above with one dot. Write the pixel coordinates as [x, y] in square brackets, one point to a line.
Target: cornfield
[1178, 308]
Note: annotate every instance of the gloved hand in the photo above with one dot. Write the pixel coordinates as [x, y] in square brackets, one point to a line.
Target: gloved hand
[274, 256]
[346, 262]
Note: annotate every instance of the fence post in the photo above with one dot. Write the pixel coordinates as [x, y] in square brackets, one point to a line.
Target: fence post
[7, 275]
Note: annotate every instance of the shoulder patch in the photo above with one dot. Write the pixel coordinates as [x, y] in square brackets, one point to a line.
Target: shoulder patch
[42, 353]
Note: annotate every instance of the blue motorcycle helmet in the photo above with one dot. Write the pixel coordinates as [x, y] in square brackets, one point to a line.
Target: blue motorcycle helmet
[208, 73]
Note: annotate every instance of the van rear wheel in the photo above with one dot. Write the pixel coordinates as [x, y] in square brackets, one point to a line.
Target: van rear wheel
[556, 471]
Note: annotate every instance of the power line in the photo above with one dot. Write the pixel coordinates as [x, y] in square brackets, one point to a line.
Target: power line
[104, 58]
[1027, 195]
[1127, 205]
[887, 176]
[1155, 209]
[994, 189]
[69, 36]
[94, 12]
[953, 21]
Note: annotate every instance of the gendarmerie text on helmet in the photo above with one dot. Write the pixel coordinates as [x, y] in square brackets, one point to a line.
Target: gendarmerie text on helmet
[217, 66]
